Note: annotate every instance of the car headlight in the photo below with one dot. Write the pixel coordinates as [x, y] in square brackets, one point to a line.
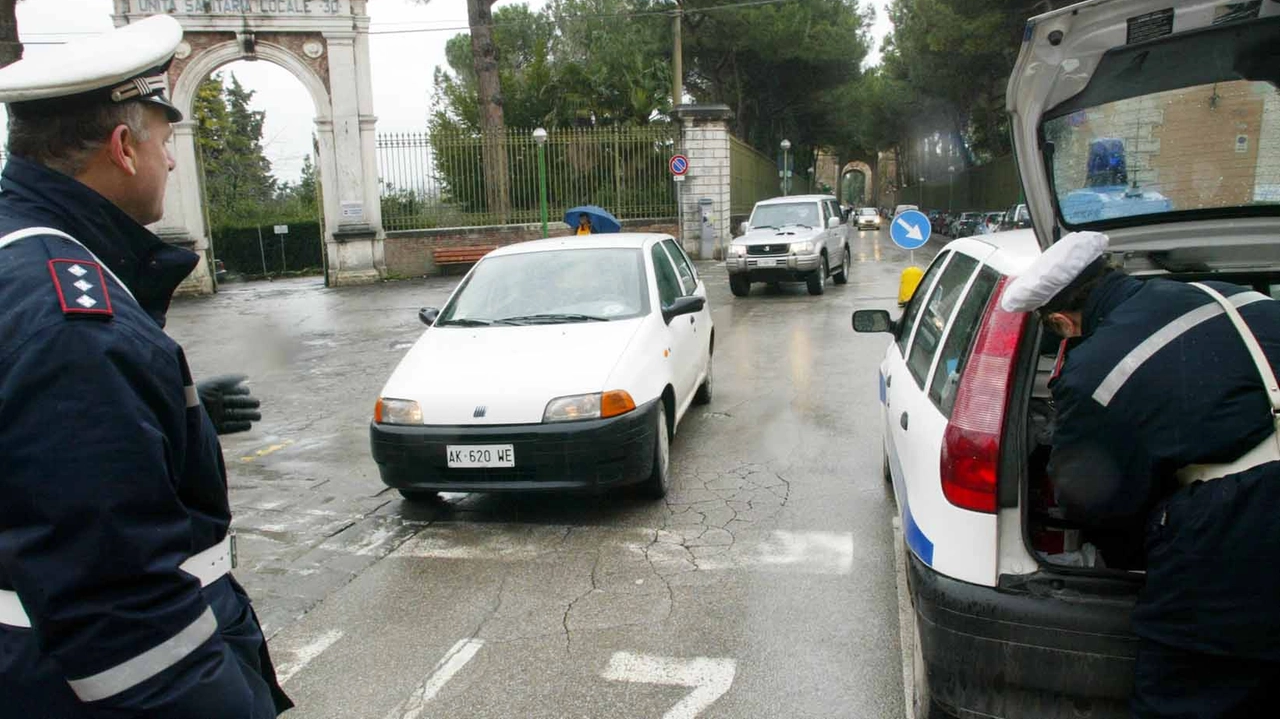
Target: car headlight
[801, 248]
[397, 411]
[738, 250]
[597, 405]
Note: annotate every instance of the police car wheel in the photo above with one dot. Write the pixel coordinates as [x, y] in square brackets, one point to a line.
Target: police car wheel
[655, 487]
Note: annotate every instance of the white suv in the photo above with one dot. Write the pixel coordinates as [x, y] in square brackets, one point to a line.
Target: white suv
[1017, 612]
[802, 238]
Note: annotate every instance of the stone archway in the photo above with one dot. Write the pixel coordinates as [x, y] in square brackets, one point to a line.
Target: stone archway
[323, 43]
[858, 166]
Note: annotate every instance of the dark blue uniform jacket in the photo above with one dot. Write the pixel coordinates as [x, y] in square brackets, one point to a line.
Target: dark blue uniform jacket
[1160, 381]
[110, 477]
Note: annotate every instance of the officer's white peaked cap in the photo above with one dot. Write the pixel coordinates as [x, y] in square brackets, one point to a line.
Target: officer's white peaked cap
[1053, 271]
[126, 64]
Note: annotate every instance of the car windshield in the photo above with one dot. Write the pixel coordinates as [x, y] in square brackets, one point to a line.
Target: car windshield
[1197, 149]
[559, 286]
[868, 212]
[783, 214]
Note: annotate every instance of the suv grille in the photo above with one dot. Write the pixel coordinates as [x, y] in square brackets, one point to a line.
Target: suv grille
[770, 249]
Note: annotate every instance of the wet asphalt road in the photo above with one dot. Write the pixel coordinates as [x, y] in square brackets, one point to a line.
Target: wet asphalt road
[763, 586]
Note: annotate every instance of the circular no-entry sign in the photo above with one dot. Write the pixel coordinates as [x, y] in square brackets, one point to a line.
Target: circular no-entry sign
[679, 165]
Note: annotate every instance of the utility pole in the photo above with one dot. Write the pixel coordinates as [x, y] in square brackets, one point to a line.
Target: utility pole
[677, 59]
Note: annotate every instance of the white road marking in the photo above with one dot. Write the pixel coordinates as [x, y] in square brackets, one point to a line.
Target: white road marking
[452, 662]
[906, 620]
[303, 655]
[709, 678]
[829, 553]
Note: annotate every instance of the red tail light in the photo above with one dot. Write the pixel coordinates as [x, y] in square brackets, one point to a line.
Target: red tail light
[971, 445]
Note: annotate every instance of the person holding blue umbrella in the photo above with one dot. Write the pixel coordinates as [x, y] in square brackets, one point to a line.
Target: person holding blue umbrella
[591, 219]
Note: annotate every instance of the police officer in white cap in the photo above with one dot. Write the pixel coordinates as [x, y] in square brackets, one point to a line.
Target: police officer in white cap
[116, 597]
[1166, 430]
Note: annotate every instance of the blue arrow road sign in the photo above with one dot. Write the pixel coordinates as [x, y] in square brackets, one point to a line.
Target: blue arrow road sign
[910, 230]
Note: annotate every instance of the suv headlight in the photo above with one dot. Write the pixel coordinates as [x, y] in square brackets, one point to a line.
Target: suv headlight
[738, 250]
[801, 248]
[597, 405]
[397, 411]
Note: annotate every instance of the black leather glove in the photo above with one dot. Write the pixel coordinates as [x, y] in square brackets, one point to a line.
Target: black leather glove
[227, 400]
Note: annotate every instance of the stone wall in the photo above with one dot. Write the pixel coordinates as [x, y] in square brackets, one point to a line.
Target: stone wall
[409, 253]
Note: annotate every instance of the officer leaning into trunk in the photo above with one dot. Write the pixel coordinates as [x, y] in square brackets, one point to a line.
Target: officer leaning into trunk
[116, 597]
[1167, 416]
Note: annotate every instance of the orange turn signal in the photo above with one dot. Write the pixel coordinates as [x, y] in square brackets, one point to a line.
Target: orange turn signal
[615, 403]
[377, 412]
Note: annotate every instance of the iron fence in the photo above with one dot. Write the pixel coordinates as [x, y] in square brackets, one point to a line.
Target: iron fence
[752, 177]
[440, 178]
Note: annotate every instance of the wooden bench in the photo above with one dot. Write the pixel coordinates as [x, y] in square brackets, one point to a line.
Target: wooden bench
[460, 255]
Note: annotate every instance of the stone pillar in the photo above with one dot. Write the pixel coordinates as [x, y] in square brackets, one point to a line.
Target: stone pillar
[705, 141]
[354, 246]
[183, 222]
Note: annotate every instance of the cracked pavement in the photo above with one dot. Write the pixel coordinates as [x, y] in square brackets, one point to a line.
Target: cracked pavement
[773, 548]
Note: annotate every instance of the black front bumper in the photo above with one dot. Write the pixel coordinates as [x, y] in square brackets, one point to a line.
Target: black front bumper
[590, 455]
[1033, 648]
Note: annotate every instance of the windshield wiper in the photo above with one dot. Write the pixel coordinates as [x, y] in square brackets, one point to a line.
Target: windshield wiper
[551, 318]
[798, 224]
[763, 227]
[465, 322]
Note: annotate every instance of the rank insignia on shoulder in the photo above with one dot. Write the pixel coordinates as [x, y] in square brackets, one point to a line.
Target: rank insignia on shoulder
[82, 288]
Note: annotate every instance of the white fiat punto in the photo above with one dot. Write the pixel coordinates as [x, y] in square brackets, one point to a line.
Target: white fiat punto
[555, 365]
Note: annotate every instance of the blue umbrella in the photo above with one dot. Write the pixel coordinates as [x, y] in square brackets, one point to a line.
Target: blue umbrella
[601, 220]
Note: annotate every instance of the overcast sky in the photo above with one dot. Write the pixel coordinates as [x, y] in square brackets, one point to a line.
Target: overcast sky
[402, 65]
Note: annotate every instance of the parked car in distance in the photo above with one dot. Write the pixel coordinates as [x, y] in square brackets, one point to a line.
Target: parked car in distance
[614, 342]
[898, 210]
[1017, 218]
[800, 238]
[1017, 612]
[868, 218]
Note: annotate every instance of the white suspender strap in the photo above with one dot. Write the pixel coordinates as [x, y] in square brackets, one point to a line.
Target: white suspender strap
[36, 231]
[1255, 351]
[208, 566]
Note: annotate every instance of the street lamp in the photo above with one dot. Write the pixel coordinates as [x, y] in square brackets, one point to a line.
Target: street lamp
[951, 185]
[540, 137]
[922, 192]
[786, 174]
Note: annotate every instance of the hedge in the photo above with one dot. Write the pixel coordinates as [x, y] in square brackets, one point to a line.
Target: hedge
[238, 248]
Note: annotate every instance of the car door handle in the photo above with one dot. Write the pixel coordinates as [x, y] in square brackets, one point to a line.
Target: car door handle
[888, 381]
[692, 320]
[903, 420]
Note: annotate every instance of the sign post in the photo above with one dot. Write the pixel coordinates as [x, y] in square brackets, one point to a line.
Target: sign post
[910, 230]
[282, 230]
[679, 166]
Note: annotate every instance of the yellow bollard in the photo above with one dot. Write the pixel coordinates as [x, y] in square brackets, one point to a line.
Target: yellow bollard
[908, 283]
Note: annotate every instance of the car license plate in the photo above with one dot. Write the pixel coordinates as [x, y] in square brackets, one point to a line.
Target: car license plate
[770, 262]
[481, 456]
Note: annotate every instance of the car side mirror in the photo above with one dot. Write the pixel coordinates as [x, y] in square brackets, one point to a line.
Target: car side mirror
[744, 228]
[873, 321]
[833, 223]
[683, 306]
[428, 315]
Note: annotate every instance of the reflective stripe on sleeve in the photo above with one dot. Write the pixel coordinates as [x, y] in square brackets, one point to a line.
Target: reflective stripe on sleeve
[123, 677]
[193, 397]
[1145, 350]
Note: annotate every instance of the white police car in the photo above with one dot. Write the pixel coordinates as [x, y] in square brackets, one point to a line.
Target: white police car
[1016, 614]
